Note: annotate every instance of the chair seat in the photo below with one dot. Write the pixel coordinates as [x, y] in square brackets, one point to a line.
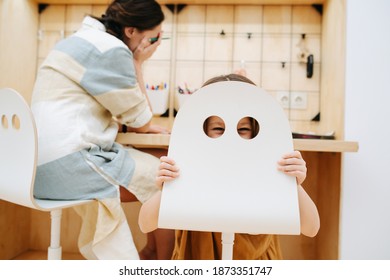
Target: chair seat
[48, 205]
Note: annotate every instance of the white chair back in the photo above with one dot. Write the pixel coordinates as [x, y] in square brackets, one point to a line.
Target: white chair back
[18, 163]
[18, 149]
[230, 184]
[18, 154]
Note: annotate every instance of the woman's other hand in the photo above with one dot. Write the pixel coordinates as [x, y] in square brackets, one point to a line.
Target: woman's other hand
[158, 129]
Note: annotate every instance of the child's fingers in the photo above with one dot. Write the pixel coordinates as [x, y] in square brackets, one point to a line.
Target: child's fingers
[292, 161]
[168, 166]
[167, 160]
[294, 154]
[294, 158]
[167, 171]
[294, 165]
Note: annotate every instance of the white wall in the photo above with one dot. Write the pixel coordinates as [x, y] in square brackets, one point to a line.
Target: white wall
[365, 206]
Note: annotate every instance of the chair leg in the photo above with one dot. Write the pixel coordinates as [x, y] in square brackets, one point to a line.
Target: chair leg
[227, 245]
[55, 250]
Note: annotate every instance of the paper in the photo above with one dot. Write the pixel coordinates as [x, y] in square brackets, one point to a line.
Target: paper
[230, 184]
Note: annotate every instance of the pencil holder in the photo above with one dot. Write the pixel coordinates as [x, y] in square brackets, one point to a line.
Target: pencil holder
[180, 99]
[158, 100]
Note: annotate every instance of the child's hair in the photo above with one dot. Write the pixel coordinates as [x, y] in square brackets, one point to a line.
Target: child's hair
[229, 77]
[237, 78]
[141, 14]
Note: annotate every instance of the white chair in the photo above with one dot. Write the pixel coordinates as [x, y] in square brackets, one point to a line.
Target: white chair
[18, 162]
[220, 175]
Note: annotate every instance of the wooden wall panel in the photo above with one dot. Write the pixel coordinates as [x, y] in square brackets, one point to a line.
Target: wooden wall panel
[189, 49]
[333, 71]
[39, 236]
[18, 55]
[302, 247]
[51, 29]
[272, 56]
[329, 165]
[98, 10]
[248, 19]
[18, 45]
[277, 19]
[306, 21]
[323, 186]
[14, 230]
[276, 76]
[192, 19]
[74, 16]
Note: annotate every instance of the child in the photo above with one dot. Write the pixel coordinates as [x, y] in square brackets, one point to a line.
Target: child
[207, 245]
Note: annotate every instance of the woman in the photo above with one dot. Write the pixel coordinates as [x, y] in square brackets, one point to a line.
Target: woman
[89, 87]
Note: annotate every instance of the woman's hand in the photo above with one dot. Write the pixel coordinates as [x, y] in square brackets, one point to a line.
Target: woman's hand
[168, 171]
[149, 128]
[157, 129]
[145, 50]
[293, 164]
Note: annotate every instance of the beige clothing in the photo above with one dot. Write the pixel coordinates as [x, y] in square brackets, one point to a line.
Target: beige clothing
[105, 233]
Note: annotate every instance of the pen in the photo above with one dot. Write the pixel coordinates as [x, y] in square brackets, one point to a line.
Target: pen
[154, 39]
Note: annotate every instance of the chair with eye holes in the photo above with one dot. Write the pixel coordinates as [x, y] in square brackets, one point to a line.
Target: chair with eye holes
[230, 184]
[18, 162]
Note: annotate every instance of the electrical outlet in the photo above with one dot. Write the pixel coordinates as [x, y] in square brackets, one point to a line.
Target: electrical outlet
[298, 100]
[283, 97]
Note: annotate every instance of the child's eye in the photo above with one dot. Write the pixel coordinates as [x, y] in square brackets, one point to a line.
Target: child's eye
[220, 129]
[244, 129]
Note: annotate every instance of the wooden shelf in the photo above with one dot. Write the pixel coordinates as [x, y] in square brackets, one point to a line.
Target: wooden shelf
[161, 141]
[325, 145]
[140, 140]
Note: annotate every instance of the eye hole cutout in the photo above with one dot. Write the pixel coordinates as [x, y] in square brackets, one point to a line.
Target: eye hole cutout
[248, 128]
[214, 127]
[15, 122]
[4, 121]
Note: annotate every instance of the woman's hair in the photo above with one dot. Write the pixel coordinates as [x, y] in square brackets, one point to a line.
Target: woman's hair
[237, 78]
[140, 14]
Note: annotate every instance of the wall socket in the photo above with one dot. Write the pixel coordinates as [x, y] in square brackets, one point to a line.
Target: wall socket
[293, 100]
[298, 100]
[283, 97]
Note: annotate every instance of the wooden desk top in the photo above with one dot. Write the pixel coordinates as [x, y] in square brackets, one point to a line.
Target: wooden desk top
[140, 140]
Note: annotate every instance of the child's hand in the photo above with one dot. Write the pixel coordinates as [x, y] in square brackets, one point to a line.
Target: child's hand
[293, 164]
[167, 171]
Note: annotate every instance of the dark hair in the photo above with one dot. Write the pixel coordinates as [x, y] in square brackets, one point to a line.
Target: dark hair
[141, 14]
[237, 78]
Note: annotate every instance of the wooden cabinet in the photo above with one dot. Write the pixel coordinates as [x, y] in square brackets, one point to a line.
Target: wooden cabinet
[270, 39]
[265, 35]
